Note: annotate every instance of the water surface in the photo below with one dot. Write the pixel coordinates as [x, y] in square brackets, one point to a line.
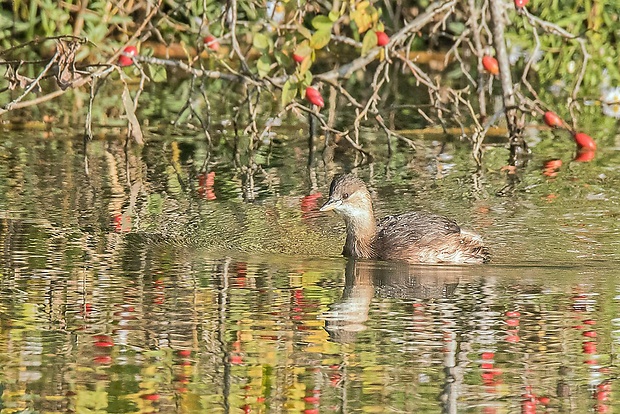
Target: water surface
[166, 281]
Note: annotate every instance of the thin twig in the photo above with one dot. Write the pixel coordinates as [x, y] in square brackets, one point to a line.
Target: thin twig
[9, 106]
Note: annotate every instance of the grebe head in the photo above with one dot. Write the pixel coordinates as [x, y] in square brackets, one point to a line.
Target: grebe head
[349, 197]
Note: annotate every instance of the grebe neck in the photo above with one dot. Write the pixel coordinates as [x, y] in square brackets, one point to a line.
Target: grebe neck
[361, 233]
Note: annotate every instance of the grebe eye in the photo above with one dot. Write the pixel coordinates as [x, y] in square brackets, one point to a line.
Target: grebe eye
[345, 196]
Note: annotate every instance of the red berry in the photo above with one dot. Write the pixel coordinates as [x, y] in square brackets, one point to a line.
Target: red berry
[212, 43]
[103, 359]
[585, 156]
[544, 400]
[314, 97]
[126, 57]
[553, 164]
[298, 58]
[521, 3]
[552, 119]
[602, 396]
[584, 141]
[528, 407]
[490, 65]
[124, 61]
[528, 396]
[150, 397]
[102, 338]
[589, 348]
[312, 399]
[551, 167]
[382, 38]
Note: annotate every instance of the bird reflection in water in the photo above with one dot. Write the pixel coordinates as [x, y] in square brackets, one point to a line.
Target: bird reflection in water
[365, 279]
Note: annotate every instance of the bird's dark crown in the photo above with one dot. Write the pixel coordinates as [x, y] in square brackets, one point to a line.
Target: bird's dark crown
[345, 185]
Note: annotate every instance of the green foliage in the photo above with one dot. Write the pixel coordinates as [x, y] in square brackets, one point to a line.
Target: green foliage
[157, 73]
[289, 92]
[370, 41]
[560, 59]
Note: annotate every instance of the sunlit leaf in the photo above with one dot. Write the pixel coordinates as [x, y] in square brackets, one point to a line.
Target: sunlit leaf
[307, 81]
[321, 22]
[158, 73]
[320, 39]
[304, 66]
[260, 41]
[304, 31]
[303, 49]
[373, 13]
[289, 92]
[369, 42]
[363, 5]
[333, 15]
[364, 16]
[263, 65]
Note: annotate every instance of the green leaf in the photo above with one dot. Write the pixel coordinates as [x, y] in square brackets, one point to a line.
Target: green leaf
[333, 15]
[320, 39]
[303, 49]
[263, 65]
[281, 58]
[249, 10]
[321, 22]
[260, 41]
[304, 66]
[307, 81]
[369, 42]
[154, 203]
[158, 73]
[364, 16]
[304, 31]
[456, 27]
[289, 92]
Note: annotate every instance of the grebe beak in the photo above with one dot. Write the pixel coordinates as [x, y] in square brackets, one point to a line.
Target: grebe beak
[331, 204]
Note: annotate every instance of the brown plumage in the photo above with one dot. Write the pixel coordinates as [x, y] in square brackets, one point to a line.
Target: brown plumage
[414, 237]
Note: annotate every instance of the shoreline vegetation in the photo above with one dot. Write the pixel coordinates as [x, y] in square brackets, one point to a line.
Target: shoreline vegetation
[401, 68]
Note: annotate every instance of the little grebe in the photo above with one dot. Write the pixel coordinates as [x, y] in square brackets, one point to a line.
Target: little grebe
[414, 237]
